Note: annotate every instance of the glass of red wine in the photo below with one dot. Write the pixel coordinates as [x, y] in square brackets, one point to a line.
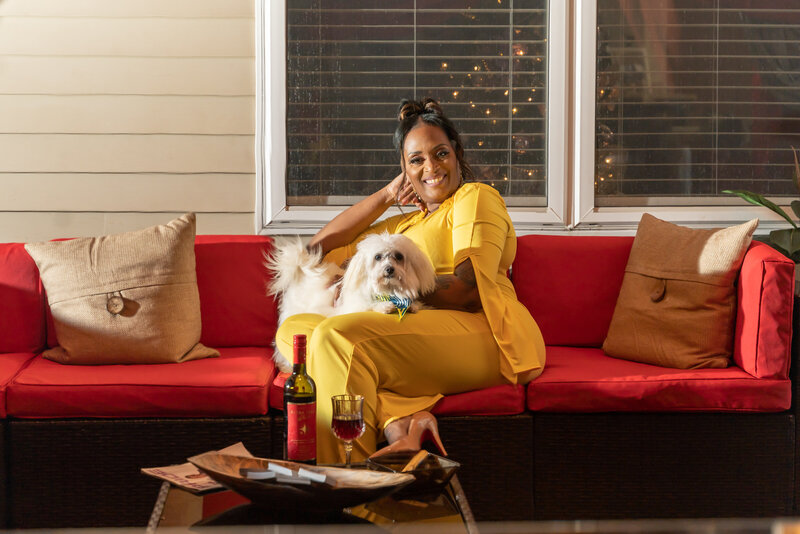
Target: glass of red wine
[348, 420]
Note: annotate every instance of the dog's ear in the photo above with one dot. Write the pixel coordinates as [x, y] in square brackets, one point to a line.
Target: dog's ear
[419, 266]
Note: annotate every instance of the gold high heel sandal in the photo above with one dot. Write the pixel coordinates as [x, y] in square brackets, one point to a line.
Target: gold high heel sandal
[422, 427]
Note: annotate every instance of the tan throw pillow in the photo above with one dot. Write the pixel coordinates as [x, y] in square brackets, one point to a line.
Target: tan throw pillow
[125, 298]
[677, 304]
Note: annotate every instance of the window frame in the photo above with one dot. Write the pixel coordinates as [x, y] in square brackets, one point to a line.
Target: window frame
[572, 41]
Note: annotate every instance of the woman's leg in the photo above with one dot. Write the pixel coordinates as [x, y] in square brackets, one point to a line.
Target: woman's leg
[303, 323]
[399, 366]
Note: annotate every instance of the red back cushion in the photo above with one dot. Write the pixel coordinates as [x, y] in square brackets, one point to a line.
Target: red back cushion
[763, 339]
[570, 284]
[21, 301]
[232, 280]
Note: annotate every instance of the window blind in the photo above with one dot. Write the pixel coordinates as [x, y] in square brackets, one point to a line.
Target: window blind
[694, 97]
[351, 62]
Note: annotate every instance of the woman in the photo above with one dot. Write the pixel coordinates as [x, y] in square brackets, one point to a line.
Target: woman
[477, 336]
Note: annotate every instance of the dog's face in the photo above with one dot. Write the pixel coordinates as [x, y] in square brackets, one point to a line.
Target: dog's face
[391, 264]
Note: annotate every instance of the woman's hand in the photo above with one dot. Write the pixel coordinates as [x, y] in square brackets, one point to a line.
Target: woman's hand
[401, 191]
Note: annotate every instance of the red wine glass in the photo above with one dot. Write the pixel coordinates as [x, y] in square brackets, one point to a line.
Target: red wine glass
[348, 420]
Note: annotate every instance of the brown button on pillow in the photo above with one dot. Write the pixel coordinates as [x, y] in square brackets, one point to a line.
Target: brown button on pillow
[125, 298]
[677, 304]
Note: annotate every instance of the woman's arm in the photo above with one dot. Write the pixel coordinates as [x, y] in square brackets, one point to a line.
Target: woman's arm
[346, 226]
[457, 291]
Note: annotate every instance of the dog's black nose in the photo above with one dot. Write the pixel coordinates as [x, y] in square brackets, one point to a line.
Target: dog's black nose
[388, 271]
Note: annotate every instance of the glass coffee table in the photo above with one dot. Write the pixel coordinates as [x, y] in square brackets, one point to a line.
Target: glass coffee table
[445, 512]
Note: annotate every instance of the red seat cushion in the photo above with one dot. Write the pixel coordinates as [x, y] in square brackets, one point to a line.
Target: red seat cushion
[586, 380]
[10, 365]
[21, 301]
[276, 391]
[498, 400]
[235, 384]
[570, 284]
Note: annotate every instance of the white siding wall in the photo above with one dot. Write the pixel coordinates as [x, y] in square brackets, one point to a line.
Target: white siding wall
[119, 114]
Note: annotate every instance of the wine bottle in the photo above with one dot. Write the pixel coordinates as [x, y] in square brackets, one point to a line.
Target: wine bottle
[300, 409]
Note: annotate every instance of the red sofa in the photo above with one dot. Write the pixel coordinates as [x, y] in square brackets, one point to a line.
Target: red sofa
[592, 437]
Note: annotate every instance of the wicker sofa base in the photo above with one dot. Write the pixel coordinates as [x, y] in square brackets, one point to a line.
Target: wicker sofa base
[543, 466]
[4, 497]
[663, 465]
[85, 472]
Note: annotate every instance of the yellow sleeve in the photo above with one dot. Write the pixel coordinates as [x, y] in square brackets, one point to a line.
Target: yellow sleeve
[482, 230]
[337, 256]
[480, 227]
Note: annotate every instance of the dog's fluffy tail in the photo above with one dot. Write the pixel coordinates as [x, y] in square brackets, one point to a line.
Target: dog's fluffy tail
[289, 262]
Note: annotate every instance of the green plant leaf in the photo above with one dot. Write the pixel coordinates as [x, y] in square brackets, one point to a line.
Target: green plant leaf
[788, 239]
[796, 170]
[796, 207]
[760, 200]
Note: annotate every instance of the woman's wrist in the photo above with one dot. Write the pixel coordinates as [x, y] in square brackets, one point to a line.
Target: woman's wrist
[389, 197]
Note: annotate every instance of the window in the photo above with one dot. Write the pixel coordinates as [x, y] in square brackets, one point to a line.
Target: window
[669, 103]
[351, 62]
[695, 97]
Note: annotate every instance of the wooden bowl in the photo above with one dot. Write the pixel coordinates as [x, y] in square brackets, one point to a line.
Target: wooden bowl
[431, 475]
[345, 487]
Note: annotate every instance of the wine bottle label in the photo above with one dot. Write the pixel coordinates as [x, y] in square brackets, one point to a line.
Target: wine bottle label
[301, 434]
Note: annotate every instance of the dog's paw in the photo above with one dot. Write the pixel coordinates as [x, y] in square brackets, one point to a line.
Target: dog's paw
[416, 306]
[384, 307]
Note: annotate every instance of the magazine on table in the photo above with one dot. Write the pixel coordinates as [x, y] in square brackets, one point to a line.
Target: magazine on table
[188, 477]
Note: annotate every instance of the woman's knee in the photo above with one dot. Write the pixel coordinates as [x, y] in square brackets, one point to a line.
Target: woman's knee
[337, 337]
[526, 376]
[330, 338]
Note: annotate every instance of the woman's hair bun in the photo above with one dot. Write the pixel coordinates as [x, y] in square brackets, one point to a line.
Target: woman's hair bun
[412, 108]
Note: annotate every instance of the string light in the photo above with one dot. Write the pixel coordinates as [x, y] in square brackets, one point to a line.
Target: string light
[455, 93]
[444, 65]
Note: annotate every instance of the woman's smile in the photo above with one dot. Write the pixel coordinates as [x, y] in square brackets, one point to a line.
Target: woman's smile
[434, 180]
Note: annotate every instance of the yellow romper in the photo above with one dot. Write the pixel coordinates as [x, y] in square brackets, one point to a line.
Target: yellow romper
[404, 366]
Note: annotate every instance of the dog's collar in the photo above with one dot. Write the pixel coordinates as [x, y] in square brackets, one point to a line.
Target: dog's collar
[401, 303]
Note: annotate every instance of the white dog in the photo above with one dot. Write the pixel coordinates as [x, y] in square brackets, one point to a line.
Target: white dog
[388, 273]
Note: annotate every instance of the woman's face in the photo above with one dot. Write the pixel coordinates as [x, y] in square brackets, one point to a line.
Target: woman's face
[431, 164]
